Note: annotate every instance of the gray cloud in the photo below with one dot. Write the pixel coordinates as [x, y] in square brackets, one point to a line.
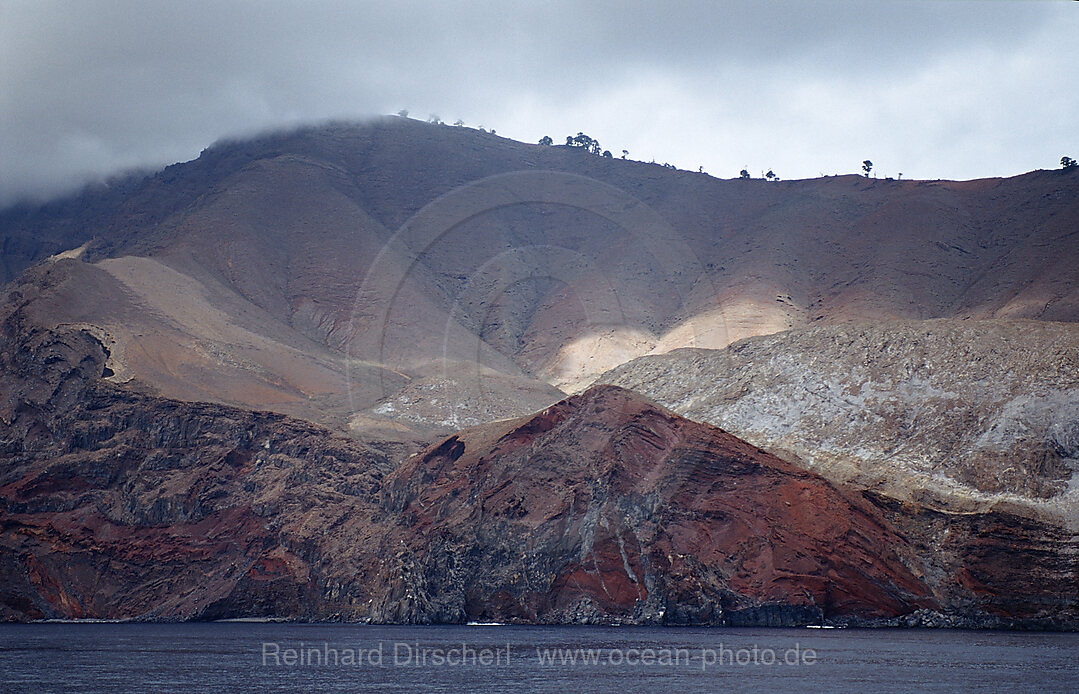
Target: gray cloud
[933, 89]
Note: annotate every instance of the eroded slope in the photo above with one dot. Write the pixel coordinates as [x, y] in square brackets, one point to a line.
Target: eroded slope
[966, 412]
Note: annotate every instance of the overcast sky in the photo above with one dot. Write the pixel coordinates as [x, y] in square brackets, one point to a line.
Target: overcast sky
[929, 89]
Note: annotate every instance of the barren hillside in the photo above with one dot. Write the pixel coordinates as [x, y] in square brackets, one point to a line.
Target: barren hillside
[961, 414]
[318, 272]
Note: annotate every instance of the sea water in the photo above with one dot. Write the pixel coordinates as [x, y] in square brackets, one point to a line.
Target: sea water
[260, 657]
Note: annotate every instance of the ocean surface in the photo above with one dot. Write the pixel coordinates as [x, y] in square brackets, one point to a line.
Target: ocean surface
[261, 657]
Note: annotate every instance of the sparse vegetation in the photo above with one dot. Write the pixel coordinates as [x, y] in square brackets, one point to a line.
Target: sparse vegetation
[867, 166]
[770, 175]
[403, 113]
[744, 174]
[546, 140]
[584, 141]
[1068, 163]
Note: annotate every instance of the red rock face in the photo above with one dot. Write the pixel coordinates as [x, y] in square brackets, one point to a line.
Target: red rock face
[602, 508]
[646, 512]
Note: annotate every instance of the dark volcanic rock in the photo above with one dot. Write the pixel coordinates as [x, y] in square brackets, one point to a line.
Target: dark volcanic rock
[603, 508]
[607, 507]
[115, 504]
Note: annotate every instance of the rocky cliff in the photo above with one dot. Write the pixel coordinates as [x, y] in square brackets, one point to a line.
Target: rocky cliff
[603, 508]
[606, 507]
[122, 505]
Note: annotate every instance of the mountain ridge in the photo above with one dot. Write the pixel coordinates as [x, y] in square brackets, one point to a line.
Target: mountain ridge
[564, 265]
[325, 374]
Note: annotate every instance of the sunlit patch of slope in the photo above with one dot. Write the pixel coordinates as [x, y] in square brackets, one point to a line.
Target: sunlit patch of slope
[280, 235]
